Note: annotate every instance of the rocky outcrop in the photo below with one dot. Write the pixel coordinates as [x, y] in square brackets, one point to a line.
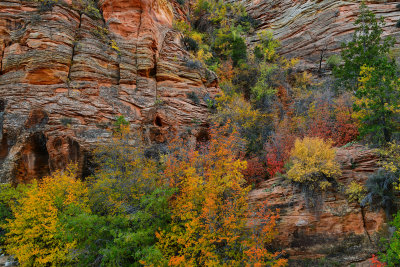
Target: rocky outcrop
[311, 30]
[69, 68]
[336, 230]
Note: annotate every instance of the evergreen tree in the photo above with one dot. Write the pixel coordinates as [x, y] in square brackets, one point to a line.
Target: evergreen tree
[372, 76]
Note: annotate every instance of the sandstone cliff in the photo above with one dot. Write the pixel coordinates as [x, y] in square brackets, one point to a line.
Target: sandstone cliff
[335, 231]
[69, 68]
[310, 29]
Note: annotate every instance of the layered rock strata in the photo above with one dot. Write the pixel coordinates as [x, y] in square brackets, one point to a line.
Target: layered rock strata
[69, 68]
[314, 30]
[333, 229]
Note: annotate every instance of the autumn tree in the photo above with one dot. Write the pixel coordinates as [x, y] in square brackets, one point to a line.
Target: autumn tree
[129, 201]
[209, 211]
[35, 234]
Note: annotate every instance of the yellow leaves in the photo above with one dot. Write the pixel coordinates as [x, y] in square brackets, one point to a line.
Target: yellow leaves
[115, 46]
[34, 235]
[181, 26]
[355, 192]
[365, 75]
[313, 159]
[202, 55]
[238, 110]
[268, 45]
[390, 159]
[209, 207]
[210, 210]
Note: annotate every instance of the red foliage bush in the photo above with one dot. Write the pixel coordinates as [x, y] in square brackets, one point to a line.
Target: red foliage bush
[256, 170]
[278, 150]
[333, 121]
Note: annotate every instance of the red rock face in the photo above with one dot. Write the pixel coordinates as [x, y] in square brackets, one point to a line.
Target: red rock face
[309, 29]
[336, 230]
[66, 75]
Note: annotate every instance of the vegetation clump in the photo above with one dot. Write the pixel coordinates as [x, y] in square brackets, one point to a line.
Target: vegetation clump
[313, 162]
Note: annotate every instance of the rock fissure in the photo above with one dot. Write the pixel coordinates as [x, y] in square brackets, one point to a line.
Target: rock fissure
[74, 46]
[1, 60]
[137, 43]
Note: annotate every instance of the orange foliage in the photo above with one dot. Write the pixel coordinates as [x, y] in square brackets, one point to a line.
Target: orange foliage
[333, 121]
[226, 72]
[209, 211]
[375, 262]
[262, 225]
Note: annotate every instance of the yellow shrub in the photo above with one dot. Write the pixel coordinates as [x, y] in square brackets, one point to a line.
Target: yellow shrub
[391, 159]
[355, 192]
[35, 234]
[313, 162]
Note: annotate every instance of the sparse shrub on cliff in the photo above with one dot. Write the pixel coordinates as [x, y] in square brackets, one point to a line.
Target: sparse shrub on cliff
[90, 8]
[46, 5]
[248, 23]
[380, 192]
[194, 97]
[120, 124]
[190, 44]
[355, 192]
[66, 121]
[333, 61]
[193, 64]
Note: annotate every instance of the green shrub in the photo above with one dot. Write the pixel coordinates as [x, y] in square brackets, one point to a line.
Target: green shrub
[239, 51]
[129, 201]
[190, 44]
[392, 254]
[193, 96]
[119, 123]
[66, 121]
[333, 61]
[9, 195]
[193, 64]
[46, 5]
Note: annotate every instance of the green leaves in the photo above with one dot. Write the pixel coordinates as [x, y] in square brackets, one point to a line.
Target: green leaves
[372, 76]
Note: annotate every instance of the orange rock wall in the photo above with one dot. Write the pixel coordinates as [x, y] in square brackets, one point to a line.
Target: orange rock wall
[81, 72]
[335, 230]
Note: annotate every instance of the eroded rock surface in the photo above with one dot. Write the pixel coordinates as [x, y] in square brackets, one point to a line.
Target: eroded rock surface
[308, 29]
[67, 72]
[336, 230]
